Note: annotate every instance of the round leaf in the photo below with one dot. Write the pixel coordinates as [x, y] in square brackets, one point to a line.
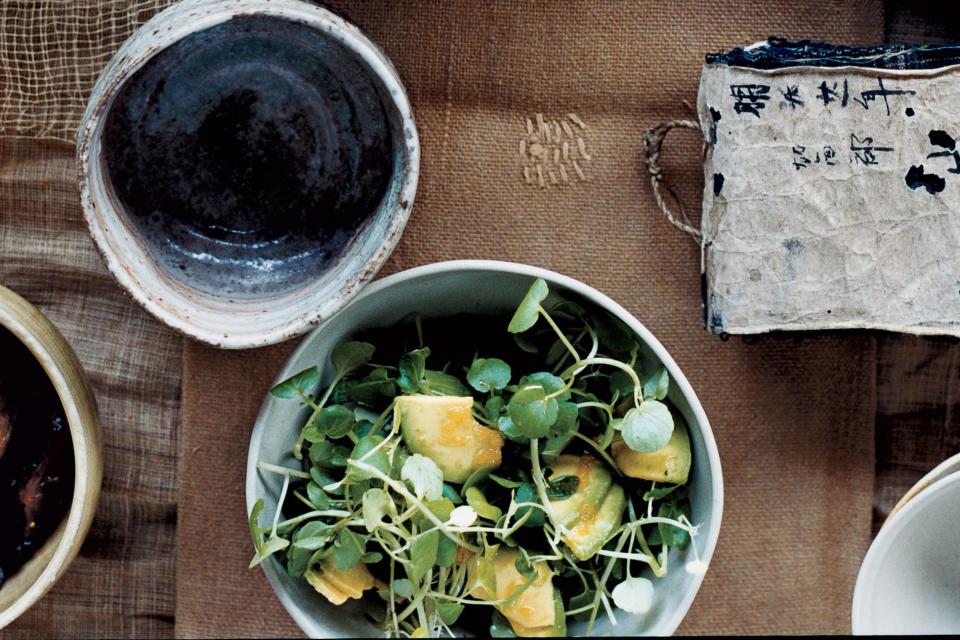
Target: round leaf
[462, 516]
[374, 507]
[488, 374]
[425, 476]
[648, 427]
[297, 384]
[529, 310]
[532, 412]
[351, 355]
[335, 421]
[634, 595]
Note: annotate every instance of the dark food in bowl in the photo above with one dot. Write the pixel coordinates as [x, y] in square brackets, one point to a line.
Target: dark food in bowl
[36, 456]
[250, 154]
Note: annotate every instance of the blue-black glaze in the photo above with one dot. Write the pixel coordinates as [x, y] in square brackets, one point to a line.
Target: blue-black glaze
[250, 153]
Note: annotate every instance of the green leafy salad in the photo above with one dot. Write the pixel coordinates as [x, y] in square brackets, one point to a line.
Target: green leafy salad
[507, 478]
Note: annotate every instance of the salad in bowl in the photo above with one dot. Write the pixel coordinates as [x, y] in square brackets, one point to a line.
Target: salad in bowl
[521, 474]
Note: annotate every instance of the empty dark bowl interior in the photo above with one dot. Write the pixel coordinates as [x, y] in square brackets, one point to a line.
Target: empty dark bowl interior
[249, 155]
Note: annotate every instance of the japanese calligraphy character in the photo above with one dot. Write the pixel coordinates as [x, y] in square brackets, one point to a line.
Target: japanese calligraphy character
[949, 144]
[867, 97]
[864, 150]
[749, 98]
[829, 94]
[791, 97]
[800, 161]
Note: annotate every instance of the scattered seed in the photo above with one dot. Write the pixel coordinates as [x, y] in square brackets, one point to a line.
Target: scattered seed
[540, 177]
[559, 132]
[529, 127]
[580, 174]
[583, 149]
[556, 155]
[540, 124]
[567, 128]
[553, 176]
[526, 175]
[575, 119]
[563, 175]
[566, 150]
[523, 147]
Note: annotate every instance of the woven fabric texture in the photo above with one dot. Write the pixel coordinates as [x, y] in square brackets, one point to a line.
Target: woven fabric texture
[122, 583]
[794, 415]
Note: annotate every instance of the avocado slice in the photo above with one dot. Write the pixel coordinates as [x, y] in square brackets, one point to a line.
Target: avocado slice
[594, 510]
[443, 429]
[588, 535]
[538, 611]
[669, 464]
[336, 585]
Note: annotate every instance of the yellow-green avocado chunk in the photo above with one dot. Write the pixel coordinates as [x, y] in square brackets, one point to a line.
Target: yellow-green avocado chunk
[670, 464]
[538, 611]
[336, 585]
[594, 511]
[443, 429]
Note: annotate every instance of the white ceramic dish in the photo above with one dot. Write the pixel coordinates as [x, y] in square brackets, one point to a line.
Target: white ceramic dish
[443, 289]
[909, 582]
[942, 470]
[269, 315]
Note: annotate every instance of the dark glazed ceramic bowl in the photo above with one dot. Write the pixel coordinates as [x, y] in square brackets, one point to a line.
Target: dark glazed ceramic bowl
[246, 167]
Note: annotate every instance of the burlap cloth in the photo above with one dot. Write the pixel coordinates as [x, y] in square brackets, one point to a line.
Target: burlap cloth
[793, 415]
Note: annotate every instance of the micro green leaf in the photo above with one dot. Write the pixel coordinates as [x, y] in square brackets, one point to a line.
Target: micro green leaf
[660, 492]
[532, 412]
[449, 612]
[413, 365]
[443, 384]
[648, 427]
[423, 555]
[463, 516]
[350, 356]
[567, 414]
[298, 384]
[317, 496]
[633, 595]
[335, 421]
[425, 476]
[527, 492]
[492, 408]
[510, 430]
[374, 503]
[657, 385]
[562, 488]
[255, 524]
[348, 549]
[403, 588]
[549, 382]
[529, 310]
[488, 374]
[271, 546]
[378, 459]
[446, 552]
[671, 535]
[505, 482]
[500, 627]
[484, 509]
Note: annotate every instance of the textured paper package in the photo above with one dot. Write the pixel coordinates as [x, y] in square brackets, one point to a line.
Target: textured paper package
[831, 199]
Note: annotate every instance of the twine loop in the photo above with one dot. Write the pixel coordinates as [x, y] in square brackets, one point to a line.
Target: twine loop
[652, 143]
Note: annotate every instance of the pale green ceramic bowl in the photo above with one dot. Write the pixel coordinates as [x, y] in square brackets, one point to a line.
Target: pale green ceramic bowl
[443, 289]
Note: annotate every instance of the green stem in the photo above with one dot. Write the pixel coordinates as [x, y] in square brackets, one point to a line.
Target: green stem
[610, 362]
[298, 447]
[266, 466]
[556, 329]
[542, 488]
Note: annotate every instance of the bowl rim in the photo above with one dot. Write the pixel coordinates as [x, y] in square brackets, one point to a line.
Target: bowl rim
[497, 266]
[881, 545]
[135, 275]
[61, 365]
[947, 467]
